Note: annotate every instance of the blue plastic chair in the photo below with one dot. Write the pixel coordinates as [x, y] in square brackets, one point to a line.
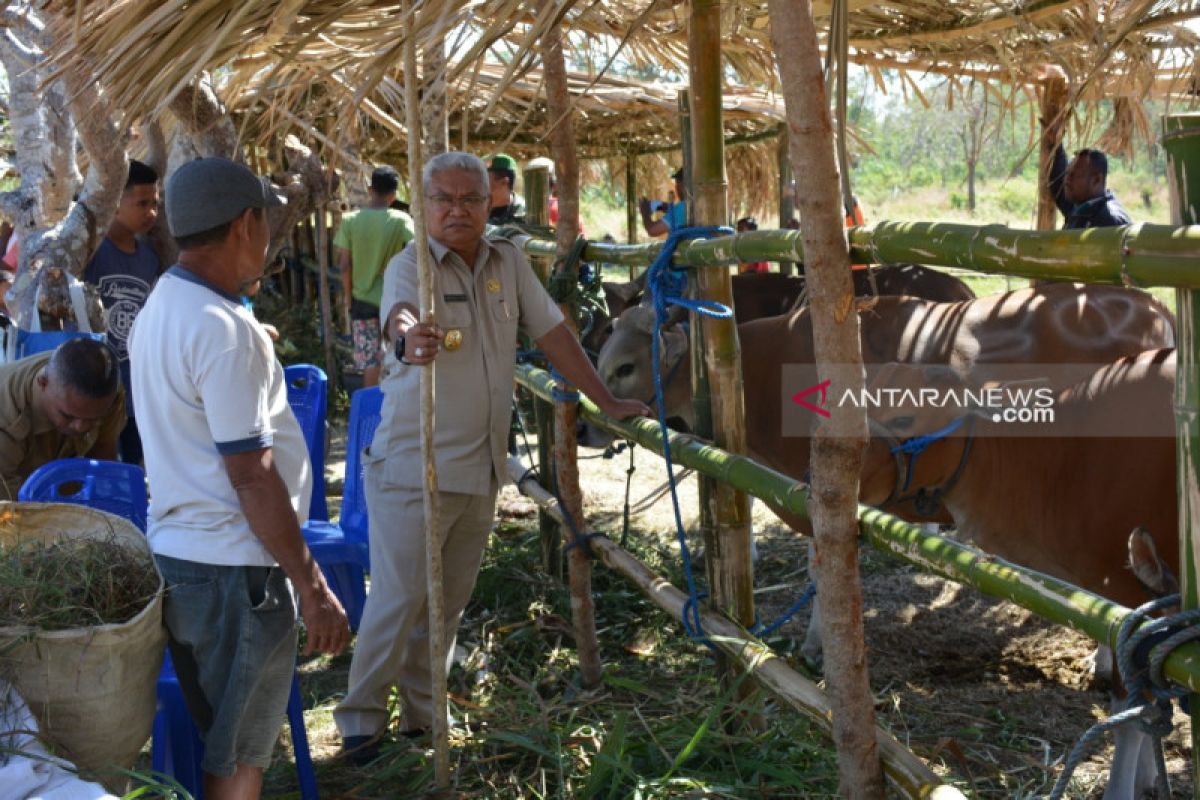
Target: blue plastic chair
[341, 549]
[307, 391]
[30, 342]
[120, 489]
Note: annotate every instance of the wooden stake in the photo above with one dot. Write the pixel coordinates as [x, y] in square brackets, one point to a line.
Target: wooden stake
[1052, 104]
[433, 539]
[562, 145]
[839, 442]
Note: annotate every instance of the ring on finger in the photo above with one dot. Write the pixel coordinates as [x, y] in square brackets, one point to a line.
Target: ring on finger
[418, 353]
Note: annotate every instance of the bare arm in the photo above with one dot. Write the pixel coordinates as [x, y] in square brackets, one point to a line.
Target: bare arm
[567, 356]
[654, 227]
[265, 502]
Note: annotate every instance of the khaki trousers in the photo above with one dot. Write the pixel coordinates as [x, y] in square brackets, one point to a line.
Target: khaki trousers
[393, 638]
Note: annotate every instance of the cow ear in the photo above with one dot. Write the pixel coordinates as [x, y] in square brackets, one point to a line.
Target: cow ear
[625, 292]
[675, 345]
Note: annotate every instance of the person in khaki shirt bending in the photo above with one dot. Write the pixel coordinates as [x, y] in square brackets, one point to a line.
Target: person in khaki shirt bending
[485, 293]
[61, 404]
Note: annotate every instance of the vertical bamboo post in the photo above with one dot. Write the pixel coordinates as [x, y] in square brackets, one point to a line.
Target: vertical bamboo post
[1181, 140]
[566, 415]
[537, 212]
[731, 573]
[1052, 99]
[787, 189]
[839, 442]
[435, 600]
[323, 284]
[631, 200]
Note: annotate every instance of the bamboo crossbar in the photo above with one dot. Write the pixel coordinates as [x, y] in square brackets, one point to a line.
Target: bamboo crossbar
[1139, 255]
[906, 771]
[1048, 597]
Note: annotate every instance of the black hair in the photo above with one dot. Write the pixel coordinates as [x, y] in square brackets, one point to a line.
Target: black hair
[141, 174]
[750, 222]
[385, 180]
[507, 173]
[1096, 160]
[86, 366]
[212, 235]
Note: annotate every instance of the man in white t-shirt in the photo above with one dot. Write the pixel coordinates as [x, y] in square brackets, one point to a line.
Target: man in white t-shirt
[229, 478]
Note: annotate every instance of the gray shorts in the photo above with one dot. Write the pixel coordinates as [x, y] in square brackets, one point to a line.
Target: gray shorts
[232, 634]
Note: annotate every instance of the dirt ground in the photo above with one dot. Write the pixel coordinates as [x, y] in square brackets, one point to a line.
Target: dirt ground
[982, 689]
[990, 696]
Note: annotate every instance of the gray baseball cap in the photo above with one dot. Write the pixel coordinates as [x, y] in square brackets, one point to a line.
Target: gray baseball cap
[208, 192]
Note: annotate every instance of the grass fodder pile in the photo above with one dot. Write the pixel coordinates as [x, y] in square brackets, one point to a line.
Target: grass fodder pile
[73, 583]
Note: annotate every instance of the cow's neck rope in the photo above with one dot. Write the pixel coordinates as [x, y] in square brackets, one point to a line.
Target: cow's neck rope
[927, 501]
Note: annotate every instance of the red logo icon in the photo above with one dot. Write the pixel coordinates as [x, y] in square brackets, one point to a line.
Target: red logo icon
[821, 387]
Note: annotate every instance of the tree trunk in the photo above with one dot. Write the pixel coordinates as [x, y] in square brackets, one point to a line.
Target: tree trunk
[971, 164]
[57, 237]
[562, 147]
[837, 448]
[203, 117]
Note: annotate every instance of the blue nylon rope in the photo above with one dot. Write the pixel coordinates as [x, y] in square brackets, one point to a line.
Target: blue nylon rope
[919, 444]
[665, 286]
[763, 632]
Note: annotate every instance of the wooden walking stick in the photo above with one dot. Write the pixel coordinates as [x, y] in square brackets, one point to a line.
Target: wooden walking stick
[433, 543]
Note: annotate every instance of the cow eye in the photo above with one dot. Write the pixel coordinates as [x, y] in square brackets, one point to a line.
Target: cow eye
[625, 370]
[901, 423]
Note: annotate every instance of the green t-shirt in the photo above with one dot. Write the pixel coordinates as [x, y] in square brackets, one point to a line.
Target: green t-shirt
[373, 236]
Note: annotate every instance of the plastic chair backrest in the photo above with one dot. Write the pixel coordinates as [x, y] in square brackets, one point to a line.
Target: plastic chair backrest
[365, 408]
[105, 485]
[30, 342]
[308, 397]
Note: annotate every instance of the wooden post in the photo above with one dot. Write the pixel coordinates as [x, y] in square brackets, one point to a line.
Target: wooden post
[1181, 140]
[1052, 99]
[435, 119]
[435, 598]
[787, 189]
[731, 573]
[537, 212]
[839, 441]
[566, 415]
[331, 369]
[631, 201]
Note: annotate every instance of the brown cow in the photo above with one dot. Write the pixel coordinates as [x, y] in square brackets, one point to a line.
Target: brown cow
[1059, 496]
[769, 294]
[1057, 323]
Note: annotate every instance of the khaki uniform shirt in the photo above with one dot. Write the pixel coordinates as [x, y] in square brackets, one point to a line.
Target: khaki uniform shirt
[473, 387]
[27, 437]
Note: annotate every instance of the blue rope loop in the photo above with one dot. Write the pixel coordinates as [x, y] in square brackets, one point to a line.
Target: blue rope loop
[1143, 645]
[665, 286]
[559, 394]
[919, 444]
[763, 632]
[583, 541]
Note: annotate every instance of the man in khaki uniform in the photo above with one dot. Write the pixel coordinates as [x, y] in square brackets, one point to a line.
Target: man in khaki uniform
[61, 404]
[485, 293]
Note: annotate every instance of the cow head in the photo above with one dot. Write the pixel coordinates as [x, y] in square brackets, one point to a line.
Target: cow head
[625, 366]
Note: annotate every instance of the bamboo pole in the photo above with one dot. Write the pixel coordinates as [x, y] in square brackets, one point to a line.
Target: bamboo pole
[631, 198]
[730, 570]
[435, 599]
[537, 212]
[562, 146]
[839, 441]
[1181, 140]
[908, 773]
[1142, 255]
[1050, 598]
[1052, 99]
